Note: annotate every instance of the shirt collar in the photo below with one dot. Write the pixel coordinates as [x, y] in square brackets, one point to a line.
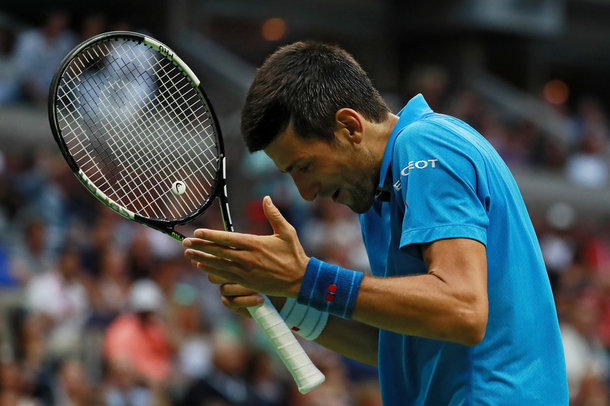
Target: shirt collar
[415, 109]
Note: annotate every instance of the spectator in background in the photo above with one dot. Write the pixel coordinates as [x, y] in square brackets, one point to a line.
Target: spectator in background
[141, 338]
[9, 90]
[72, 387]
[597, 254]
[494, 130]
[469, 106]
[589, 167]
[15, 388]
[194, 354]
[38, 53]
[111, 288]
[586, 361]
[556, 241]
[122, 387]
[166, 273]
[57, 303]
[92, 25]
[31, 256]
[140, 257]
[35, 182]
[432, 81]
[590, 117]
[7, 279]
[264, 381]
[100, 238]
[226, 382]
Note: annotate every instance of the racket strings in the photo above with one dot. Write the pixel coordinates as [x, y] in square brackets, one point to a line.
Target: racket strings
[91, 92]
[74, 135]
[135, 124]
[176, 142]
[115, 151]
[148, 158]
[149, 126]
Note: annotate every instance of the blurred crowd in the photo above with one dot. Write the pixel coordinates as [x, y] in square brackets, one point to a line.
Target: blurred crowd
[96, 310]
[30, 56]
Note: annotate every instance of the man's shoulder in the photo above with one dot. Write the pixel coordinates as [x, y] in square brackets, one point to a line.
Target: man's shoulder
[444, 134]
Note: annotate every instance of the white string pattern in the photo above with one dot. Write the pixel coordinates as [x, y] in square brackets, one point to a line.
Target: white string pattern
[134, 123]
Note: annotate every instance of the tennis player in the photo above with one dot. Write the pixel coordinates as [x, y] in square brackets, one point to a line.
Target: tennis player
[459, 310]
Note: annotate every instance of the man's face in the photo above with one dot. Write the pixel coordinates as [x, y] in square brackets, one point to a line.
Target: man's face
[340, 170]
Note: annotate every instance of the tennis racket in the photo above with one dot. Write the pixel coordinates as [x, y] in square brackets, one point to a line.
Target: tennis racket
[138, 131]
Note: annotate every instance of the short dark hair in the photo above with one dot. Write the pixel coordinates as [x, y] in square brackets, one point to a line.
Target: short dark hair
[304, 84]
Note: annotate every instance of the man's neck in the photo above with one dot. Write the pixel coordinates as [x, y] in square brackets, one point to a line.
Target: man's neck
[382, 132]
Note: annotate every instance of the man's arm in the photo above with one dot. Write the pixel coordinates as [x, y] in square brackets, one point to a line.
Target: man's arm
[448, 303]
[350, 338]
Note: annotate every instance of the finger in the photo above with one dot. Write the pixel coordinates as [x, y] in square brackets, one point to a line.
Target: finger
[235, 289]
[231, 305]
[223, 238]
[212, 248]
[222, 269]
[241, 311]
[217, 280]
[211, 260]
[276, 220]
[236, 303]
[201, 244]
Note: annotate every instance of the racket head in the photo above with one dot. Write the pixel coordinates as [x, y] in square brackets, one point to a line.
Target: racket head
[137, 129]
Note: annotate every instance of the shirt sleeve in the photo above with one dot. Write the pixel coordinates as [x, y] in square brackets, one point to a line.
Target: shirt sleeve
[441, 182]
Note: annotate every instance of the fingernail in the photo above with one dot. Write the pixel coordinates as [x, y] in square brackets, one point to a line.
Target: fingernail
[186, 242]
[199, 232]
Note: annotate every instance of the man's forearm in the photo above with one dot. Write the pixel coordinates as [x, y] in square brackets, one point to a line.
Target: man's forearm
[352, 339]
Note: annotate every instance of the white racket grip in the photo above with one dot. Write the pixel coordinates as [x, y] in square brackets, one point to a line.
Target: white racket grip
[304, 372]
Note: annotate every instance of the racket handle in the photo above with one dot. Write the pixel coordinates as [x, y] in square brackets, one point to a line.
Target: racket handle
[304, 372]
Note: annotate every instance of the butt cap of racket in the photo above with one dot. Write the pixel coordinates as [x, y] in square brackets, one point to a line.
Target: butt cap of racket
[310, 382]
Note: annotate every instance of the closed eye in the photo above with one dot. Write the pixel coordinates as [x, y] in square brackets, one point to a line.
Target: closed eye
[299, 166]
[304, 168]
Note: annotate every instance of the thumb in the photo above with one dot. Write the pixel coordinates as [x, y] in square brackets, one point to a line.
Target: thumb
[275, 218]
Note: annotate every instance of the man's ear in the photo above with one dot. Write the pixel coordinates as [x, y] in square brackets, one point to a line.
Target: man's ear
[349, 123]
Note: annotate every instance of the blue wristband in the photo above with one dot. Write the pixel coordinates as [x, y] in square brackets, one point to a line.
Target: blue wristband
[330, 288]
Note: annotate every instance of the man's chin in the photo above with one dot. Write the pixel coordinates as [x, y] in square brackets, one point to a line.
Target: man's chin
[360, 206]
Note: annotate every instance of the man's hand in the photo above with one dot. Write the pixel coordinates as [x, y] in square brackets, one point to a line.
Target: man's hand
[236, 297]
[272, 264]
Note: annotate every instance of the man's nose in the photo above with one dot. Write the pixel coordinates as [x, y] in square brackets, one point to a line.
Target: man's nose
[307, 189]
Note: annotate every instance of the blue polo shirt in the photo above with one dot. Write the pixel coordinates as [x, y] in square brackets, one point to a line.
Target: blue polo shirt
[447, 181]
